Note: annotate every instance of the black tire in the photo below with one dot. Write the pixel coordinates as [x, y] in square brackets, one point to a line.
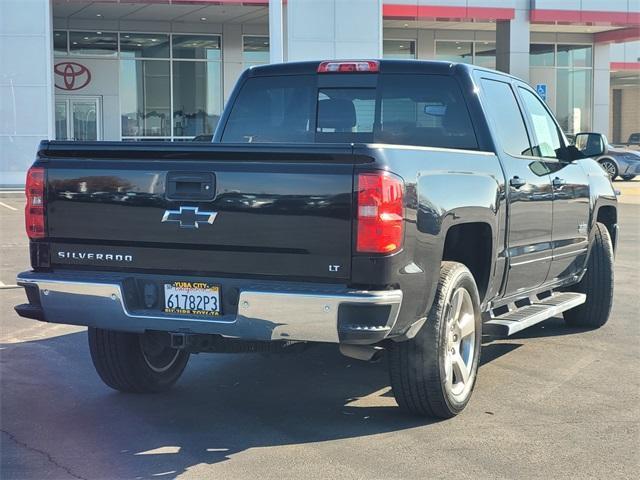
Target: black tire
[126, 362]
[597, 284]
[417, 367]
[627, 178]
[610, 167]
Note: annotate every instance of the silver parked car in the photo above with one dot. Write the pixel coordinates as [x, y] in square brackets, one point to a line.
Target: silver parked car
[616, 161]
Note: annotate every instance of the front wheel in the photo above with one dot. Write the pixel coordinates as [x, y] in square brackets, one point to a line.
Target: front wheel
[596, 284]
[434, 373]
[136, 363]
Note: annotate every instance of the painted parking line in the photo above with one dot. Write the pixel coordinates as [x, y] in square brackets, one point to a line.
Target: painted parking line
[2, 204]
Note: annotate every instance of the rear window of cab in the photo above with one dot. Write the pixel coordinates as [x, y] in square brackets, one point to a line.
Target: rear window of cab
[420, 110]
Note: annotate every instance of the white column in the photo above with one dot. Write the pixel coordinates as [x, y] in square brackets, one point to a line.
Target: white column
[601, 80]
[26, 85]
[334, 29]
[512, 43]
[426, 44]
[276, 31]
[232, 56]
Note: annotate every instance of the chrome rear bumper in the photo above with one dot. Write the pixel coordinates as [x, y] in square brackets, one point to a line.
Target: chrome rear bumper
[317, 314]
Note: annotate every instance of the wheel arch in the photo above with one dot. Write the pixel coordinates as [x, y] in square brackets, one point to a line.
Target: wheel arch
[607, 214]
[472, 244]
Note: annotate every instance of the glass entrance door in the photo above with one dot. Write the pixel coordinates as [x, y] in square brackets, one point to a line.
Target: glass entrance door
[62, 117]
[78, 118]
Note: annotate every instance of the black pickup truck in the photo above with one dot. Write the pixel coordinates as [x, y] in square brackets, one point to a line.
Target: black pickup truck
[394, 206]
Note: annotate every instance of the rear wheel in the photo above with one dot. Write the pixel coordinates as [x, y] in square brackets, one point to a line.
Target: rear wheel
[434, 373]
[610, 167]
[628, 177]
[597, 284]
[136, 363]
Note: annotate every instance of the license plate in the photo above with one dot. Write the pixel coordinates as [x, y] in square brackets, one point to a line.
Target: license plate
[192, 298]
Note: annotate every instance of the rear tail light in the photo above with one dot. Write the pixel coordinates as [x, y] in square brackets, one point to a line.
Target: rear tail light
[380, 213]
[358, 66]
[34, 210]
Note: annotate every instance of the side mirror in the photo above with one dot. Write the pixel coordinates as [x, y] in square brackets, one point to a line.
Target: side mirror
[591, 144]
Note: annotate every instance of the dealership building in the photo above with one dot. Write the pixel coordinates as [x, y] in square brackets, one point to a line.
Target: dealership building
[162, 69]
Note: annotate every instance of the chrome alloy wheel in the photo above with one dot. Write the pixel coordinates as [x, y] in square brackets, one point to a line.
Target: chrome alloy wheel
[609, 167]
[460, 345]
[156, 354]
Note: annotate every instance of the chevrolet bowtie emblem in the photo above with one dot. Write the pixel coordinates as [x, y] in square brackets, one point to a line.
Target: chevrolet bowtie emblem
[189, 217]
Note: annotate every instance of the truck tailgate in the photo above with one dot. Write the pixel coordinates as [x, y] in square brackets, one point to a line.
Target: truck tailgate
[212, 210]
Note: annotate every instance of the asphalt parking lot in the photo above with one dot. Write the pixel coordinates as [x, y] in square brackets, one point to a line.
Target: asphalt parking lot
[550, 402]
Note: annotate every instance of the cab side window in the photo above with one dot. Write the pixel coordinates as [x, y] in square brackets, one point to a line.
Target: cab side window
[547, 141]
[505, 114]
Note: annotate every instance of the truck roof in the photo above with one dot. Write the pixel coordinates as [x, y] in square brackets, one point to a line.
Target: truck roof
[436, 67]
[386, 66]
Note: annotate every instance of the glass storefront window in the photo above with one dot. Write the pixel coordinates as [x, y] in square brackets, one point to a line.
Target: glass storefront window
[145, 98]
[197, 97]
[154, 104]
[255, 50]
[574, 56]
[60, 42]
[196, 47]
[454, 51]
[541, 55]
[399, 49]
[146, 45]
[573, 99]
[485, 54]
[93, 43]
[567, 72]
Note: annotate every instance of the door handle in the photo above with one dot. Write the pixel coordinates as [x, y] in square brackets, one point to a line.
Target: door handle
[517, 182]
[558, 182]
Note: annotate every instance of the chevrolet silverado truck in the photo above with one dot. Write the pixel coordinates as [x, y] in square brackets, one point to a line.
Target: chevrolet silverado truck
[384, 206]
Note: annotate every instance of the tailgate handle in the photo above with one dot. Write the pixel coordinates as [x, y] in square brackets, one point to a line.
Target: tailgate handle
[190, 186]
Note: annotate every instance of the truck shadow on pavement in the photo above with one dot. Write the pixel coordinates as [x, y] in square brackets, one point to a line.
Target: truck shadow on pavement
[53, 401]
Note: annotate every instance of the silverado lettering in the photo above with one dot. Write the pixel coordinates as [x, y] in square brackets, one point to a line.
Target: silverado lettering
[108, 257]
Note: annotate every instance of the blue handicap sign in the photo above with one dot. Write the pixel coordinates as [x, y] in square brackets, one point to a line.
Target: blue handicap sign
[541, 88]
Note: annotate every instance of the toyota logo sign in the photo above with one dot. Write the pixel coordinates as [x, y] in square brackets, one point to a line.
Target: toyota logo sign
[71, 76]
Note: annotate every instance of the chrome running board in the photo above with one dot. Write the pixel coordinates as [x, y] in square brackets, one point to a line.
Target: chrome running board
[537, 310]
